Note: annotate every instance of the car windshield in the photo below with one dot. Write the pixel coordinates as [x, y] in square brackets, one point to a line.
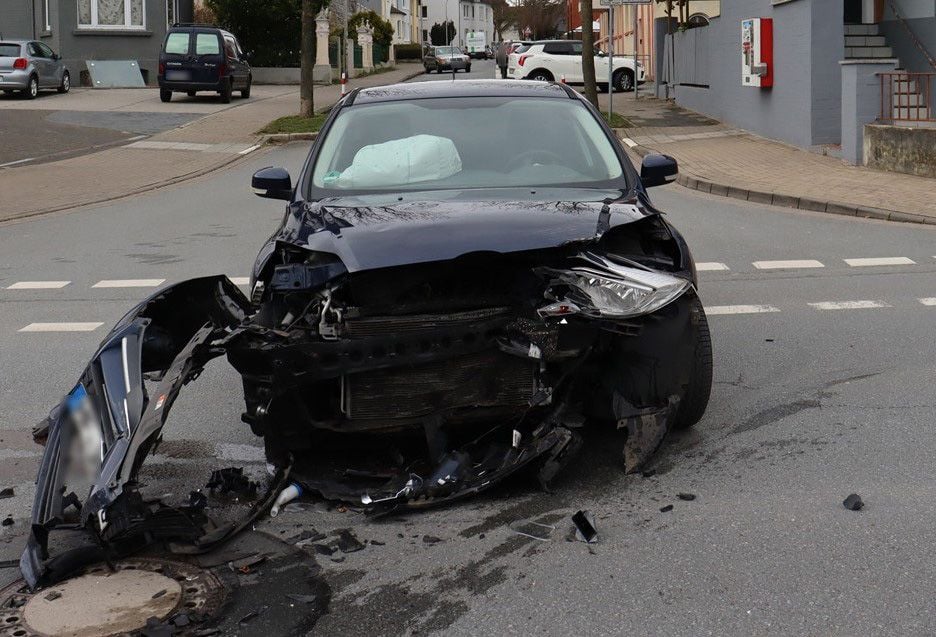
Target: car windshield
[9, 50]
[476, 142]
[445, 50]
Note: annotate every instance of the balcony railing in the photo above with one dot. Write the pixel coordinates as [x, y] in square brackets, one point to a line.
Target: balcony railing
[907, 98]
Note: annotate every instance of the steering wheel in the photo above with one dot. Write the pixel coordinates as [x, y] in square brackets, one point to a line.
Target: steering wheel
[547, 156]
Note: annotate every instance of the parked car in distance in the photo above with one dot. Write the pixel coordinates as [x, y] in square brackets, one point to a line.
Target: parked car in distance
[446, 58]
[554, 60]
[197, 58]
[28, 67]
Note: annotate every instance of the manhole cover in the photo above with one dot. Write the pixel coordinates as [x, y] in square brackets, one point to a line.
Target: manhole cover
[99, 602]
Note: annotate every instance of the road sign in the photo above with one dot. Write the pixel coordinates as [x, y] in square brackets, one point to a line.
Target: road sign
[527, 32]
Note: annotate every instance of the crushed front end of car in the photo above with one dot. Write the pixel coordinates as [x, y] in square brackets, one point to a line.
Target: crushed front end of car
[392, 356]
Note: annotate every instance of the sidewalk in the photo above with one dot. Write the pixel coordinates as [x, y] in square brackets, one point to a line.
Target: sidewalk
[194, 149]
[735, 163]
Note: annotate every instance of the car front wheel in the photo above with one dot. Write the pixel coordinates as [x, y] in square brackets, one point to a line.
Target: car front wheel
[165, 95]
[65, 86]
[692, 406]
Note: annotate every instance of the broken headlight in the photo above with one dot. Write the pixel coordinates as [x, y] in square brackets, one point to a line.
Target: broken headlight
[602, 288]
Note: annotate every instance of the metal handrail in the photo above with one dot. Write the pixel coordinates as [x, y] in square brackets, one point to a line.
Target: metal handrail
[913, 36]
[914, 104]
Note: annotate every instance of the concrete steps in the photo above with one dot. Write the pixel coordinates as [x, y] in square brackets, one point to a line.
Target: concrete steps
[861, 30]
[868, 52]
[865, 40]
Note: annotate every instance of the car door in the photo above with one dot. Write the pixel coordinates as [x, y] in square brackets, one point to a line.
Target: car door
[232, 59]
[40, 63]
[177, 57]
[55, 65]
[576, 76]
[558, 59]
[208, 57]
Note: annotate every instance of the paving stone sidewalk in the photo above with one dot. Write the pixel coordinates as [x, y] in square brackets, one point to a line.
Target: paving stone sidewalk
[170, 157]
[726, 161]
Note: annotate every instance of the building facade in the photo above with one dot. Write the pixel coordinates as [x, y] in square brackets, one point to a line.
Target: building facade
[466, 15]
[81, 30]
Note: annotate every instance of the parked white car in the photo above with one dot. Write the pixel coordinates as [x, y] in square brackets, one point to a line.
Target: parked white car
[555, 60]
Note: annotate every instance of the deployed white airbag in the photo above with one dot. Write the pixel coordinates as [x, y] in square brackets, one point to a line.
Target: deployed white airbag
[399, 162]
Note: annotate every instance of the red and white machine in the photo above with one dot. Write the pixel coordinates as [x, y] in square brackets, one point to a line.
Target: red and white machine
[757, 65]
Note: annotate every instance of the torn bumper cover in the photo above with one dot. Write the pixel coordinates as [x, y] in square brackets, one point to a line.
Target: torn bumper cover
[394, 384]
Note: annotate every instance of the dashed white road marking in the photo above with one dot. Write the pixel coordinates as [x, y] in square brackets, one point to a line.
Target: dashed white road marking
[129, 283]
[710, 266]
[38, 285]
[928, 301]
[61, 327]
[848, 305]
[787, 265]
[872, 261]
[717, 310]
[240, 280]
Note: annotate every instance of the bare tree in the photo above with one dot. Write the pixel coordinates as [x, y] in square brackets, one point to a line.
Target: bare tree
[504, 17]
[541, 16]
[588, 53]
[306, 103]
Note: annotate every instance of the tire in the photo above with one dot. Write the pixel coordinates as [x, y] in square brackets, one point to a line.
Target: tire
[65, 86]
[468, 69]
[32, 89]
[623, 80]
[427, 69]
[226, 91]
[692, 406]
[164, 95]
[190, 93]
[541, 75]
[245, 92]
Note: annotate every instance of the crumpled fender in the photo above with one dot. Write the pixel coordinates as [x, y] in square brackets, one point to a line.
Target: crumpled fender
[168, 337]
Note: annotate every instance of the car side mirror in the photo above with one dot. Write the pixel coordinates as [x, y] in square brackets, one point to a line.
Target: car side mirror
[272, 183]
[56, 56]
[658, 170]
[246, 56]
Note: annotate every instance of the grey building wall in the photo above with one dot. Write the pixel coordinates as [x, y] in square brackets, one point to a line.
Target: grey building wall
[16, 19]
[804, 106]
[921, 18]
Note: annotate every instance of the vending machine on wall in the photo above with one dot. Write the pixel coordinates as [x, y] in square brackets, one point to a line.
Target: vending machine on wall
[757, 52]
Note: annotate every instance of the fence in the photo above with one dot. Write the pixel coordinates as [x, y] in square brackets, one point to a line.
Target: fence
[907, 97]
[686, 57]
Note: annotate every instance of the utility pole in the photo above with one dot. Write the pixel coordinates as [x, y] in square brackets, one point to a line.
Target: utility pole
[307, 62]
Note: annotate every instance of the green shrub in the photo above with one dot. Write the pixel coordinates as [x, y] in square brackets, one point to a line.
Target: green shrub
[407, 51]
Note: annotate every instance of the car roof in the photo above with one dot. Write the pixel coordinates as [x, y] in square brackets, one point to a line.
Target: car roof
[20, 42]
[189, 28]
[461, 88]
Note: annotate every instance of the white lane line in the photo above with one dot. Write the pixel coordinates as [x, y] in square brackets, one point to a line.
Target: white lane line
[240, 280]
[630, 142]
[38, 285]
[717, 310]
[787, 265]
[928, 301]
[872, 261]
[848, 305]
[249, 150]
[61, 327]
[710, 266]
[17, 162]
[129, 283]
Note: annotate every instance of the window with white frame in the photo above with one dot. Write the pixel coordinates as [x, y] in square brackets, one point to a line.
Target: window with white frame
[111, 14]
[48, 19]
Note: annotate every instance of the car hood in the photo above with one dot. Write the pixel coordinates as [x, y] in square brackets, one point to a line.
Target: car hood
[371, 237]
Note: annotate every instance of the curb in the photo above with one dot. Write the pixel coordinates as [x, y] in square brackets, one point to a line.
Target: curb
[688, 180]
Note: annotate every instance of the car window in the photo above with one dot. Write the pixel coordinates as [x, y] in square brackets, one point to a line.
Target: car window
[576, 48]
[445, 50]
[34, 50]
[177, 43]
[9, 50]
[412, 145]
[523, 48]
[558, 48]
[207, 44]
[44, 48]
[229, 48]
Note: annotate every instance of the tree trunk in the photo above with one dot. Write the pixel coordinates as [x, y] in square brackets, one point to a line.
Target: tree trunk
[588, 53]
[306, 104]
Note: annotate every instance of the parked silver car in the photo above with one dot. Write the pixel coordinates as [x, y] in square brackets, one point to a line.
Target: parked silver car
[28, 66]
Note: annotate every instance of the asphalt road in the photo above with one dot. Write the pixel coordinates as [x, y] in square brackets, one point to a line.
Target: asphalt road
[816, 396]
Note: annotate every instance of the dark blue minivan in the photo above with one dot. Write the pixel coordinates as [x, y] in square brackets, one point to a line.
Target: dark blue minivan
[202, 58]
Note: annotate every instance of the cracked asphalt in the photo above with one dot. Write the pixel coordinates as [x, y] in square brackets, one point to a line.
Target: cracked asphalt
[808, 407]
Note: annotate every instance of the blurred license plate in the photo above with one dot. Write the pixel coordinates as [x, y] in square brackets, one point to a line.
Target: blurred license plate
[178, 76]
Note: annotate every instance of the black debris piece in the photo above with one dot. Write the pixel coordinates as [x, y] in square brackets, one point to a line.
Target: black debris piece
[322, 549]
[7, 521]
[198, 500]
[6, 492]
[52, 596]
[666, 509]
[853, 502]
[348, 542]
[253, 615]
[180, 620]
[584, 523]
[301, 599]
[231, 480]
[245, 564]
[431, 539]
[338, 559]
[377, 543]
[400, 535]
[206, 632]
[688, 497]
[769, 340]
[481, 536]
[648, 473]
[159, 594]
[156, 628]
